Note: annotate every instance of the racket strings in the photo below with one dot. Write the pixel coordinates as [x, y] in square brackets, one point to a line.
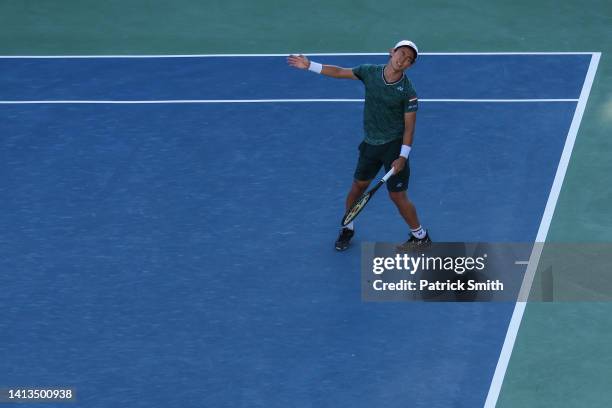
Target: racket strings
[356, 208]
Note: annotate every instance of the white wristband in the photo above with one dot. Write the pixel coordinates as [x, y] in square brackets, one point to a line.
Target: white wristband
[315, 67]
[405, 151]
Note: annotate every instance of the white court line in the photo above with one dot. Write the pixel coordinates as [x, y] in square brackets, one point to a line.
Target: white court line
[498, 100]
[331, 54]
[171, 101]
[519, 309]
[521, 262]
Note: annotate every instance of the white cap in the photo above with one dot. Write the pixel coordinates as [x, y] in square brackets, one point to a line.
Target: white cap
[406, 43]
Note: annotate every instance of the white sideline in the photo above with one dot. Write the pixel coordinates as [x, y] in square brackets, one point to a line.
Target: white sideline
[519, 308]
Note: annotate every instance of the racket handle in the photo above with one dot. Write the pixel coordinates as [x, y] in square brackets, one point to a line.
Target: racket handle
[388, 175]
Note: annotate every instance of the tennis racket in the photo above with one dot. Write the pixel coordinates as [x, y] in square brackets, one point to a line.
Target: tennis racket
[361, 202]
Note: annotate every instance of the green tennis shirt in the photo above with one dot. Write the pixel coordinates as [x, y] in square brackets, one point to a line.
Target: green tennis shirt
[385, 104]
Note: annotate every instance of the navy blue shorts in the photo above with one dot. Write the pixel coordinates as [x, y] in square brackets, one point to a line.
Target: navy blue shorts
[373, 157]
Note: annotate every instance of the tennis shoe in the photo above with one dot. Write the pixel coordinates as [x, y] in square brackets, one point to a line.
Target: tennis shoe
[344, 239]
[415, 243]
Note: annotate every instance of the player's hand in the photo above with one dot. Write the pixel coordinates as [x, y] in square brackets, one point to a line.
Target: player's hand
[298, 61]
[398, 164]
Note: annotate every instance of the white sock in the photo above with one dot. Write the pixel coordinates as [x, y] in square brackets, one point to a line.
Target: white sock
[350, 226]
[419, 232]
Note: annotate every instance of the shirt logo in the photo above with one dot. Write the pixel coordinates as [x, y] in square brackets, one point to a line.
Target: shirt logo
[400, 88]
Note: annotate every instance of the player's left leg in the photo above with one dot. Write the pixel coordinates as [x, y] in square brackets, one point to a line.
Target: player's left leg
[418, 235]
[406, 208]
[397, 186]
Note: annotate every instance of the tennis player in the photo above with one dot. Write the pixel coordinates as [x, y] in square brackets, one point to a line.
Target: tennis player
[389, 119]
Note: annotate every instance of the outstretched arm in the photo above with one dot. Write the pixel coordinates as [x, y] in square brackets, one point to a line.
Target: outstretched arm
[302, 62]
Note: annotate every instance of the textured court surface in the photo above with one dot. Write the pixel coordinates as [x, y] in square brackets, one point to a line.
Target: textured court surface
[181, 254]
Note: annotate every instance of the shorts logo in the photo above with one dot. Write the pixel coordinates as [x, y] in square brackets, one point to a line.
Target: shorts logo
[398, 185]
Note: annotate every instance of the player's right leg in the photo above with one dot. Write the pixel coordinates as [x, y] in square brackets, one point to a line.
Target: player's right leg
[346, 233]
[367, 167]
[357, 189]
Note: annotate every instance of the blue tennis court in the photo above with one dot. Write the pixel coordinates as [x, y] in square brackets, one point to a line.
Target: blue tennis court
[169, 225]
